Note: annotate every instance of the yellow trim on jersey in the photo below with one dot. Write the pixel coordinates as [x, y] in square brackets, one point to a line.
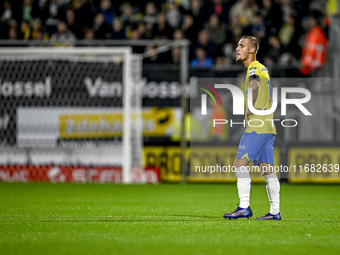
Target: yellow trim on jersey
[245, 156]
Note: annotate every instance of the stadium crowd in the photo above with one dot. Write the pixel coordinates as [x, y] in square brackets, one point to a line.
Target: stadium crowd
[213, 26]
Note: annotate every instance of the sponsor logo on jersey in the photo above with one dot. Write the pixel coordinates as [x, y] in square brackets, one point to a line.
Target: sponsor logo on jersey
[252, 72]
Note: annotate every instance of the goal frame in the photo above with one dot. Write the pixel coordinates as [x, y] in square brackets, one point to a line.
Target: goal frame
[127, 56]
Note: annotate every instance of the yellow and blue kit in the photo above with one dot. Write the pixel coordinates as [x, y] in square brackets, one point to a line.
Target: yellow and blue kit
[258, 140]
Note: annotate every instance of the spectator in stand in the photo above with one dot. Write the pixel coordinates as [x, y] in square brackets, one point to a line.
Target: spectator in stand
[173, 15]
[128, 17]
[198, 13]
[287, 31]
[29, 11]
[189, 28]
[13, 23]
[204, 42]
[89, 34]
[314, 51]
[222, 9]
[216, 30]
[272, 15]
[150, 17]
[36, 30]
[63, 37]
[107, 10]
[144, 33]
[25, 30]
[244, 11]
[201, 59]
[117, 30]
[136, 36]
[178, 35]
[5, 18]
[51, 13]
[13, 33]
[100, 28]
[274, 51]
[228, 51]
[234, 31]
[257, 28]
[203, 24]
[175, 51]
[40, 38]
[83, 12]
[73, 25]
[221, 63]
[183, 5]
[162, 29]
[6, 15]
[289, 37]
[286, 9]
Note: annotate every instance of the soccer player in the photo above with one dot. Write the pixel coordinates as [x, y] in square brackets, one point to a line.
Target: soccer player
[257, 142]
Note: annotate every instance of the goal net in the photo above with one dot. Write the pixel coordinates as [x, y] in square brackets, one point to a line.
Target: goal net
[70, 114]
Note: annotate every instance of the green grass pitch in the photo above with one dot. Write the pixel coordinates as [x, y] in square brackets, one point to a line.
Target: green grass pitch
[42, 218]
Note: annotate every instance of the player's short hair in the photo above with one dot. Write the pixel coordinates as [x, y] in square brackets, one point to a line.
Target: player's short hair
[252, 40]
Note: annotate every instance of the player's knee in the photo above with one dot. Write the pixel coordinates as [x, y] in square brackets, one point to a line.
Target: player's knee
[236, 163]
[241, 162]
[267, 169]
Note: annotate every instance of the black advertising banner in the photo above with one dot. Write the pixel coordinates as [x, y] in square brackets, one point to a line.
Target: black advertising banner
[39, 88]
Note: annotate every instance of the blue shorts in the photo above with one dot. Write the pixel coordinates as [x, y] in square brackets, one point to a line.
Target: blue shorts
[257, 148]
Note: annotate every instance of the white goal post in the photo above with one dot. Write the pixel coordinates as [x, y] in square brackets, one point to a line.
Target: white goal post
[74, 96]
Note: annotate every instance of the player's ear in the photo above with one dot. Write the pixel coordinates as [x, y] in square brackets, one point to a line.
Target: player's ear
[252, 50]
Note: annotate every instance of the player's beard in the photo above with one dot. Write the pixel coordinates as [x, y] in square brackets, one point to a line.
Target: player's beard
[238, 58]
